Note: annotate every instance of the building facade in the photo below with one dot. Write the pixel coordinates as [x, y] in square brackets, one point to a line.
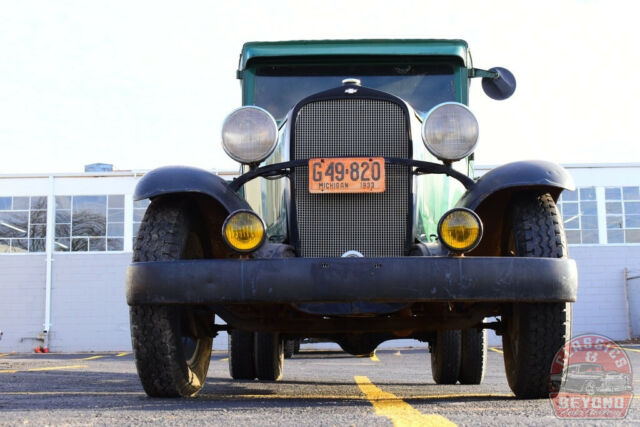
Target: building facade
[66, 240]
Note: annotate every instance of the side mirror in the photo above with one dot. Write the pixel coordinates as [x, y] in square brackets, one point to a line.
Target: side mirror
[501, 86]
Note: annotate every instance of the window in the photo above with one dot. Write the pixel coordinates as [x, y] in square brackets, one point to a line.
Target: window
[89, 223]
[623, 214]
[23, 224]
[580, 215]
[139, 208]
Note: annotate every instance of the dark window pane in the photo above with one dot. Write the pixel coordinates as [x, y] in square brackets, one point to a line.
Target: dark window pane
[614, 221]
[13, 224]
[138, 214]
[115, 230]
[116, 215]
[631, 193]
[615, 236]
[79, 245]
[38, 230]
[141, 203]
[614, 207]
[63, 202]
[569, 196]
[91, 203]
[19, 245]
[116, 201]
[5, 246]
[570, 209]
[632, 208]
[573, 237]
[63, 217]
[589, 222]
[97, 244]
[21, 203]
[572, 223]
[89, 215]
[115, 244]
[63, 230]
[632, 221]
[590, 236]
[38, 203]
[588, 193]
[632, 236]
[612, 193]
[38, 217]
[588, 208]
[37, 245]
[5, 203]
[62, 245]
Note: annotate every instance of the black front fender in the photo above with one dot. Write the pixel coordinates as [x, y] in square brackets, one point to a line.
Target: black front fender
[526, 174]
[183, 179]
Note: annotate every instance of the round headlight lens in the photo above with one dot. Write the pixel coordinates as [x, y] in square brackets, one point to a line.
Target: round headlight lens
[243, 231]
[249, 134]
[460, 230]
[450, 131]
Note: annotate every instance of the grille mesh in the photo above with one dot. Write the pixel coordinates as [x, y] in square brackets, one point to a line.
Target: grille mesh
[331, 224]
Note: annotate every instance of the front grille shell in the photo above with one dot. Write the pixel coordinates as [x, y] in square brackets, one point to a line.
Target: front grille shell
[328, 225]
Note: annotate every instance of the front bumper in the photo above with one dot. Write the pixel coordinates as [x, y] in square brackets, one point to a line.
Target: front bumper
[341, 280]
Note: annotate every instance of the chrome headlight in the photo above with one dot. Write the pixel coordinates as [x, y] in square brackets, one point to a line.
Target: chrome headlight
[249, 135]
[450, 131]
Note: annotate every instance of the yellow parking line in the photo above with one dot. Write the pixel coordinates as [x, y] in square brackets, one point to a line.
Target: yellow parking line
[397, 410]
[496, 350]
[224, 360]
[4, 354]
[57, 368]
[92, 358]
[631, 349]
[8, 371]
[121, 354]
[374, 357]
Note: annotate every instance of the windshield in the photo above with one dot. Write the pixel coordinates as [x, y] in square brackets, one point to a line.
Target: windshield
[279, 87]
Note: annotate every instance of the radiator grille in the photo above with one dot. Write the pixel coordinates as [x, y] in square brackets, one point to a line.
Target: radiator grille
[331, 224]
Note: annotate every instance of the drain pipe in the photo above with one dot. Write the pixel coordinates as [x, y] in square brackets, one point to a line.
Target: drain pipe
[51, 211]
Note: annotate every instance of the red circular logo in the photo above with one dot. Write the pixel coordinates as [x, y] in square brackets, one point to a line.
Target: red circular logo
[591, 378]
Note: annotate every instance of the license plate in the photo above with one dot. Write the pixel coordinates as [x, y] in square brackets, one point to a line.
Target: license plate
[346, 175]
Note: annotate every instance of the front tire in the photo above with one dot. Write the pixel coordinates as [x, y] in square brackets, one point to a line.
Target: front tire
[534, 332]
[171, 356]
[445, 357]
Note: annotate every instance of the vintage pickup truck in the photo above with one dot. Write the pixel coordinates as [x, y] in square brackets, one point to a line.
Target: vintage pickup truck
[356, 218]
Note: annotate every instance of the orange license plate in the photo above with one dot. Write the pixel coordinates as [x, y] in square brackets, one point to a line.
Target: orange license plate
[346, 175]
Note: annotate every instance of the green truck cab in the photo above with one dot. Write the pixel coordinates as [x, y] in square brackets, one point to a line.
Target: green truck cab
[356, 218]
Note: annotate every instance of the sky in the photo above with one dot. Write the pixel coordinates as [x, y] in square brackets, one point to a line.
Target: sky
[144, 84]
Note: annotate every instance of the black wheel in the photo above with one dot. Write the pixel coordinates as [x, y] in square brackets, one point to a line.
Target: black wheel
[171, 355]
[445, 357]
[241, 355]
[289, 348]
[473, 359]
[534, 332]
[269, 356]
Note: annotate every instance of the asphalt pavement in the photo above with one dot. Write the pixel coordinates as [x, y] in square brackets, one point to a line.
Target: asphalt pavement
[318, 388]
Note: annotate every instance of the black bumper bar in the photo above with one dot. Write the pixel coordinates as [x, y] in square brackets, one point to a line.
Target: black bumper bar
[306, 280]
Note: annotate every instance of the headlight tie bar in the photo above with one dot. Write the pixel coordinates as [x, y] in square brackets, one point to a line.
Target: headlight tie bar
[285, 168]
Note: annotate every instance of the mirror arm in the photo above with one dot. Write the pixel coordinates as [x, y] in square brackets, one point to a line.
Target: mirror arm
[477, 72]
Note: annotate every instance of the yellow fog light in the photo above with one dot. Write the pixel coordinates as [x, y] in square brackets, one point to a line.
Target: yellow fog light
[243, 231]
[460, 230]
